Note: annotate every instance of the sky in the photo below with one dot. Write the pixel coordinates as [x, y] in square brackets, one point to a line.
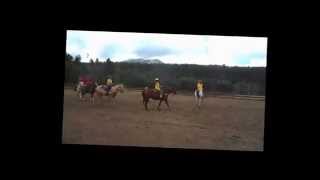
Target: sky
[169, 48]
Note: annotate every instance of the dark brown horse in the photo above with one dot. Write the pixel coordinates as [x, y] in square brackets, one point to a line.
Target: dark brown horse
[148, 93]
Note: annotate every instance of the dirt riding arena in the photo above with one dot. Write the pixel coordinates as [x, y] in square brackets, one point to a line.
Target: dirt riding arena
[221, 123]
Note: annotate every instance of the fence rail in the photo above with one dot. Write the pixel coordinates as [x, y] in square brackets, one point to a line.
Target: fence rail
[207, 94]
[216, 94]
[69, 87]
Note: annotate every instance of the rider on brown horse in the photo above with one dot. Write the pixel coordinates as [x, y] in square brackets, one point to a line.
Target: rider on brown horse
[156, 93]
[157, 87]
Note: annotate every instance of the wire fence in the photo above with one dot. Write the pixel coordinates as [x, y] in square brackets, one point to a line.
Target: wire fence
[191, 93]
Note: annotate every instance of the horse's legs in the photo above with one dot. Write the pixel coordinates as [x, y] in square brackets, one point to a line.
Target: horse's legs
[101, 98]
[80, 95]
[109, 98]
[199, 101]
[196, 97]
[143, 101]
[146, 104]
[92, 97]
[167, 104]
[159, 105]
[113, 100]
[83, 97]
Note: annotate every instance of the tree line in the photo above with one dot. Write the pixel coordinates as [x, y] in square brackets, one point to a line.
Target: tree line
[217, 78]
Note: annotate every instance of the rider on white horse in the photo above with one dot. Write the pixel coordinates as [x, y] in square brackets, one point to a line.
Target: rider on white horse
[198, 93]
[85, 82]
[109, 84]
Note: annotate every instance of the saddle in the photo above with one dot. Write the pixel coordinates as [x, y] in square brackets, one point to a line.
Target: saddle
[107, 89]
[159, 93]
[198, 94]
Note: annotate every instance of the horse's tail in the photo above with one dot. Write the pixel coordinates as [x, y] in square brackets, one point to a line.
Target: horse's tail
[93, 89]
[143, 93]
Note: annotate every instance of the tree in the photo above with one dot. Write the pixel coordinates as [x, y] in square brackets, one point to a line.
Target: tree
[109, 68]
[68, 57]
[77, 59]
[219, 78]
[68, 67]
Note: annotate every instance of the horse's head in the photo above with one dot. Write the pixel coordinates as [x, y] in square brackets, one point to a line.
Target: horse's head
[171, 90]
[120, 88]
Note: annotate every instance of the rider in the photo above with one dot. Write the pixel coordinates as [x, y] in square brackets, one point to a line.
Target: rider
[84, 81]
[81, 81]
[199, 88]
[157, 86]
[109, 83]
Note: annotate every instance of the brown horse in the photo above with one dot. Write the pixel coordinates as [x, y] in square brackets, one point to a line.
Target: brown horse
[148, 93]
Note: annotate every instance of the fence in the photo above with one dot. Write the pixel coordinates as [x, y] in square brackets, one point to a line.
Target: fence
[215, 94]
[207, 94]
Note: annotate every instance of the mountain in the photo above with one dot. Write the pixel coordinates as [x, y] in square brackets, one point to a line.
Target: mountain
[144, 61]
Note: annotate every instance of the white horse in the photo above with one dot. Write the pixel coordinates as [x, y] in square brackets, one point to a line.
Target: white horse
[82, 89]
[100, 91]
[199, 97]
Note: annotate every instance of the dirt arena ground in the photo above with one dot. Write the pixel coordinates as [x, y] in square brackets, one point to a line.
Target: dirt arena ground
[222, 124]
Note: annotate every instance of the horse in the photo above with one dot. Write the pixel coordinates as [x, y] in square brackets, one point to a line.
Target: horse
[148, 93]
[199, 97]
[100, 91]
[85, 89]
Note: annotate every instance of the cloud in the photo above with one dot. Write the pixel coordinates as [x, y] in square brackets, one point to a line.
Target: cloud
[247, 59]
[75, 44]
[258, 62]
[236, 51]
[153, 51]
[110, 51]
[170, 48]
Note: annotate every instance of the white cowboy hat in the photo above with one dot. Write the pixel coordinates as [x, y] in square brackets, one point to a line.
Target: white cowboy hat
[157, 79]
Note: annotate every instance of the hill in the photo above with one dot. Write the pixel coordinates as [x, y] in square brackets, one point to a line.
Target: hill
[144, 61]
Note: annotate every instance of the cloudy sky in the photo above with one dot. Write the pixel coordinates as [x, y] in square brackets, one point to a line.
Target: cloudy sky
[169, 48]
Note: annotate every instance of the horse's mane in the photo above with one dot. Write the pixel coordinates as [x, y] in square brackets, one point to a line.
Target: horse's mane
[119, 85]
[167, 88]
